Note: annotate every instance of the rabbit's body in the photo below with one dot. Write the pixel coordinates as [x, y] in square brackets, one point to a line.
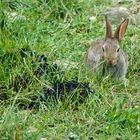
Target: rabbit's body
[106, 56]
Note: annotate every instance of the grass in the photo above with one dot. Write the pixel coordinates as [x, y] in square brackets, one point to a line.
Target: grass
[61, 30]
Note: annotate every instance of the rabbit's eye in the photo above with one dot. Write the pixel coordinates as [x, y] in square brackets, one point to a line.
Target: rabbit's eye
[118, 49]
[103, 49]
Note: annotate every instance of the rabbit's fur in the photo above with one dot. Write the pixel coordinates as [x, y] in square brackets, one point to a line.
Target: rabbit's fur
[106, 56]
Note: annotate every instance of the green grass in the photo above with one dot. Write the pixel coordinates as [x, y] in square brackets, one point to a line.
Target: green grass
[61, 30]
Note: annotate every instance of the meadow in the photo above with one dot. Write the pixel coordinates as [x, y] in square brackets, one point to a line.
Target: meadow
[42, 44]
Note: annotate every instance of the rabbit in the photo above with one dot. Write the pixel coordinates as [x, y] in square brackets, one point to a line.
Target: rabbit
[106, 56]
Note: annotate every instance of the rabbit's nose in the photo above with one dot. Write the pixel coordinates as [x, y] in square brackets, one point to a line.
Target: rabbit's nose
[112, 62]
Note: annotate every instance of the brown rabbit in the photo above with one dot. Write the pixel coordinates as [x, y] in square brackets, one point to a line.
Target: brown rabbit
[106, 56]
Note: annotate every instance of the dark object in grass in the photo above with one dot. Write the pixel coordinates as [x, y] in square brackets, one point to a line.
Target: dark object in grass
[72, 89]
[50, 71]
[41, 70]
[43, 65]
[42, 58]
[61, 89]
[20, 82]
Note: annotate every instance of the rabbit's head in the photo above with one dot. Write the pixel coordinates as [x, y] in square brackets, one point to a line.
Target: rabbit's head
[111, 45]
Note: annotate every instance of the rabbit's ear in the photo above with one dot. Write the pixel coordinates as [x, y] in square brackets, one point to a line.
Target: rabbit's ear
[121, 30]
[108, 28]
